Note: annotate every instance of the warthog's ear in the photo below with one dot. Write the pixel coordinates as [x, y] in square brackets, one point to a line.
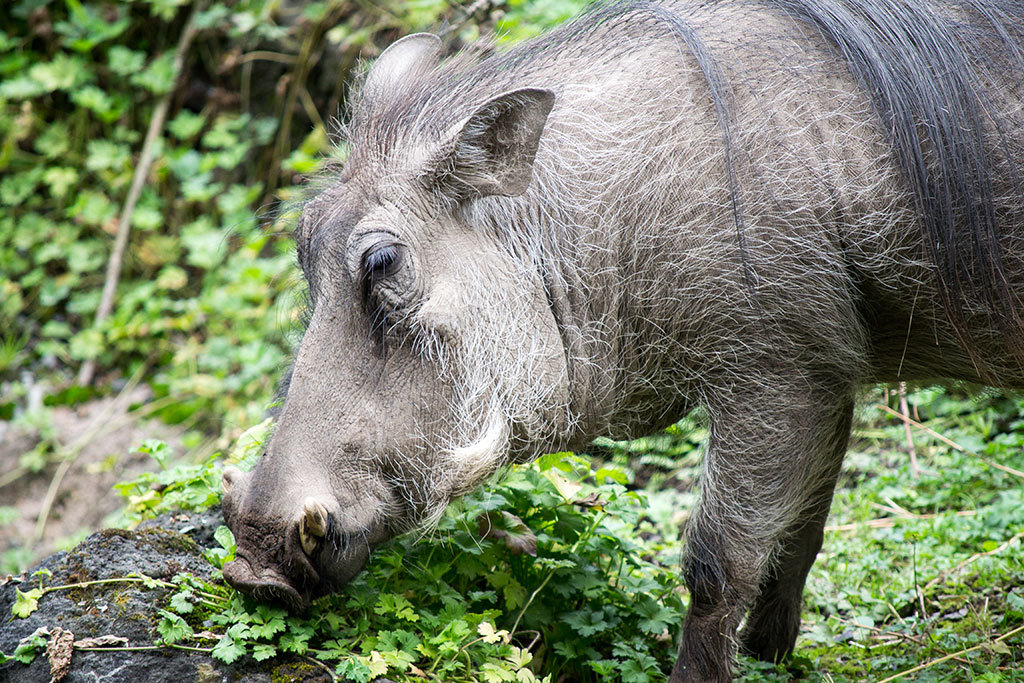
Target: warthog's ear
[404, 60]
[492, 151]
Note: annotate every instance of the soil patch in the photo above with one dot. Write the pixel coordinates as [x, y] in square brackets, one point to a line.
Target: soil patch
[91, 447]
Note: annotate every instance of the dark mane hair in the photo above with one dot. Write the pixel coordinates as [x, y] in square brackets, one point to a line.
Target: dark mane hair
[924, 72]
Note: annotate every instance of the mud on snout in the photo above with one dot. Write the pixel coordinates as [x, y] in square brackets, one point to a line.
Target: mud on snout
[293, 559]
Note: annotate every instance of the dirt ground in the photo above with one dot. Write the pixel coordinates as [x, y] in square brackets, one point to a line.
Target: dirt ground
[73, 495]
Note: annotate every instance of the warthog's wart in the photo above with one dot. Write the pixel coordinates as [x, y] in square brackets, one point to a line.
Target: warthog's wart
[750, 205]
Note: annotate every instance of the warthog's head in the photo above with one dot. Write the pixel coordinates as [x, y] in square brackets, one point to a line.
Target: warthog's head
[431, 356]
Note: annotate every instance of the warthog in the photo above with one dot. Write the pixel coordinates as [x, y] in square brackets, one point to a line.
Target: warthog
[753, 206]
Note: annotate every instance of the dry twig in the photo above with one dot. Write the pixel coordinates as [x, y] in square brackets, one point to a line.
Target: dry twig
[915, 469]
[887, 522]
[977, 556]
[950, 442]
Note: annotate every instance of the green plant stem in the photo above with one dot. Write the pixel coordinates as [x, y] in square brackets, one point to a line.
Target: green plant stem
[575, 546]
[143, 648]
[208, 598]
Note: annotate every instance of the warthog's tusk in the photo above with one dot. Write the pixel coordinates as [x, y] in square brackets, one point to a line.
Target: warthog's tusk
[313, 525]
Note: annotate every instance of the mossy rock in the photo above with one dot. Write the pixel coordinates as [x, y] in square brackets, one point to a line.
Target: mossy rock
[128, 610]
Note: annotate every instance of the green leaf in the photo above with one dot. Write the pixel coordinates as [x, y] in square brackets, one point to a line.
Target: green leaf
[228, 650]
[60, 179]
[389, 603]
[268, 621]
[21, 88]
[225, 538]
[496, 673]
[147, 218]
[159, 76]
[25, 603]
[181, 602]
[92, 208]
[212, 17]
[376, 664]
[173, 628]
[588, 622]
[296, 639]
[56, 328]
[166, 9]
[632, 672]
[352, 668]
[263, 651]
[97, 101]
[62, 73]
[87, 343]
[30, 646]
[88, 26]
[104, 154]
[186, 125]
[54, 141]
[656, 618]
[222, 134]
[16, 188]
[206, 244]
[158, 450]
[566, 487]
[123, 61]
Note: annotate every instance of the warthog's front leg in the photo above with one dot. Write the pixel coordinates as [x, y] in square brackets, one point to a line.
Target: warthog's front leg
[771, 465]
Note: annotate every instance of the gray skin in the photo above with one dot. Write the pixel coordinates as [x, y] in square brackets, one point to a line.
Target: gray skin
[592, 234]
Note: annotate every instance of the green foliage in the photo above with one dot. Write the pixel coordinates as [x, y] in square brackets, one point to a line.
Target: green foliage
[917, 568]
[25, 603]
[28, 648]
[527, 18]
[466, 605]
[561, 570]
[203, 288]
[187, 486]
[565, 569]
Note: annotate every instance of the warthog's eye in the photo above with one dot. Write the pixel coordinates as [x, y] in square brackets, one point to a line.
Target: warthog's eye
[380, 261]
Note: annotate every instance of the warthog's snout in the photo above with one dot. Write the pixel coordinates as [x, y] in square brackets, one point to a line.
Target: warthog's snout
[291, 559]
[265, 583]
